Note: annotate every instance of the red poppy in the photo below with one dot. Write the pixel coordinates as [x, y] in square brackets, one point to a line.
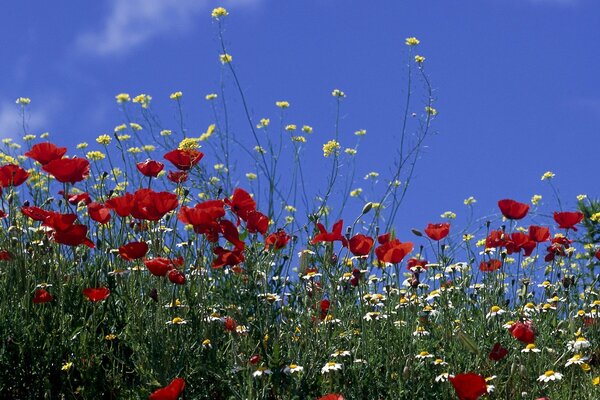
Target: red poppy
[99, 213]
[68, 170]
[5, 255]
[42, 296]
[437, 231]
[254, 359]
[490, 266]
[74, 235]
[122, 205]
[416, 265]
[598, 254]
[12, 175]
[332, 396]
[498, 352]
[469, 386]
[324, 307]
[334, 235]
[170, 392]
[152, 206]
[176, 277]
[204, 217]
[230, 324]
[159, 266]
[512, 209]
[46, 152]
[227, 257]
[78, 197]
[360, 245]
[539, 234]
[184, 160]
[520, 241]
[277, 240]
[150, 167]
[35, 213]
[496, 239]
[568, 220]
[393, 251]
[96, 294]
[241, 203]
[177, 176]
[133, 250]
[231, 234]
[523, 332]
[257, 222]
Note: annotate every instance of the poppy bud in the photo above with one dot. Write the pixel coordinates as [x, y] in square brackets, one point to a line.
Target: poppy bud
[367, 208]
[255, 359]
[153, 294]
[416, 232]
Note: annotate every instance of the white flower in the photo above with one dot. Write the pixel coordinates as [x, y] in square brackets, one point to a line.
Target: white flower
[495, 310]
[261, 371]
[177, 321]
[341, 353]
[577, 359]
[531, 348]
[331, 366]
[424, 354]
[375, 315]
[443, 377]
[578, 344]
[293, 368]
[550, 376]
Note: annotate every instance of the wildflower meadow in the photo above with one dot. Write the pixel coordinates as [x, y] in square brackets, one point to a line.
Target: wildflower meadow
[160, 260]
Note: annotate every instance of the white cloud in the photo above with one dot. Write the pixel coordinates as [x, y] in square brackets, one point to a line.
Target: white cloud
[131, 23]
[11, 122]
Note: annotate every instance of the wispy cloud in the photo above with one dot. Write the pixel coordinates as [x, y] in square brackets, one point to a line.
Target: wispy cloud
[131, 23]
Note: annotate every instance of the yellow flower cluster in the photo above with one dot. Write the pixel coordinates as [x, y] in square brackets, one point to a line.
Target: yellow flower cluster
[95, 155]
[412, 41]
[122, 98]
[219, 12]
[331, 147]
[103, 139]
[547, 175]
[225, 58]
[176, 95]
[211, 96]
[143, 100]
[282, 104]
[189, 144]
[23, 101]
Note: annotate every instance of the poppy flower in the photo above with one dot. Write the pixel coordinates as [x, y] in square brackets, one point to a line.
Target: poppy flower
[512, 209]
[334, 235]
[496, 239]
[231, 234]
[159, 266]
[68, 170]
[226, 257]
[393, 251]
[568, 220]
[520, 241]
[46, 152]
[204, 217]
[12, 175]
[78, 197]
[324, 307]
[416, 265]
[150, 168]
[122, 205]
[332, 396]
[177, 176]
[35, 213]
[230, 324]
[437, 231]
[277, 240]
[254, 359]
[96, 294]
[539, 234]
[176, 277]
[241, 203]
[152, 206]
[523, 332]
[99, 213]
[5, 255]
[257, 222]
[490, 266]
[598, 254]
[360, 245]
[498, 352]
[469, 386]
[74, 235]
[184, 160]
[133, 250]
[42, 296]
[170, 392]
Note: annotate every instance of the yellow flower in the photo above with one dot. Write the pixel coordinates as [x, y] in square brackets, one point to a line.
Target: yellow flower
[66, 366]
[27, 138]
[263, 122]
[110, 336]
[176, 95]
[547, 175]
[431, 111]
[596, 381]
[361, 132]
[372, 175]
[300, 139]
[469, 201]
[535, 200]
[251, 176]
[259, 150]
[419, 59]
[82, 145]
[338, 93]
[331, 147]
[356, 192]
[123, 137]
[282, 104]
[349, 151]
[122, 98]
[412, 41]
[290, 209]
[448, 215]
[211, 96]
[143, 100]
[307, 129]
[23, 101]
[165, 132]
[225, 58]
[189, 144]
[95, 155]
[148, 147]
[219, 12]
[135, 127]
[103, 139]
[44, 135]
[134, 150]
[120, 128]
[581, 197]
[290, 127]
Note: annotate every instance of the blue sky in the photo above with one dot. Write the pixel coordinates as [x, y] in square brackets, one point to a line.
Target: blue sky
[516, 82]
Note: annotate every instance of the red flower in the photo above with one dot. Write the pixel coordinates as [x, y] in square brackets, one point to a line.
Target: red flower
[539, 234]
[177, 176]
[568, 220]
[361, 245]
[133, 250]
[523, 332]
[122, 205]
[176, 277]
[490, 266]
[520, 241]
[241, 203]
[230, 324]
[255, 359]
[332, 396]
[170, 392]
[99, 213]
[231, 234]
[35, 213]
[159, 266]
[324, 306]
[226, 257]
[77, 198]
[496, 239]
[5, 255]
[96, 294]
[42, 296]
[598, 254]
[469, 386]
[437, 231]
[393, 251]
[12, 175]
[46, 152]
[277, 240]
[150, 167]
[152, 206]
[68, 170]
[334, 235]
[498, 352]
[513, 209]
[416, 265]
[64, 231]
[184, 160]
[257, 222]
